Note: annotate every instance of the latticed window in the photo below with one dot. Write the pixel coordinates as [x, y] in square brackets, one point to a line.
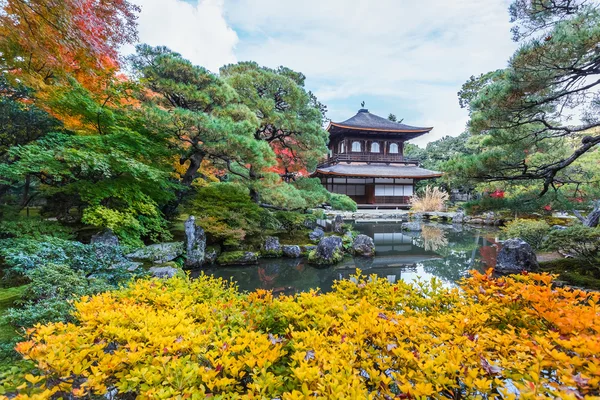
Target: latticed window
[393, 148]
[356, 146]
[374, 147]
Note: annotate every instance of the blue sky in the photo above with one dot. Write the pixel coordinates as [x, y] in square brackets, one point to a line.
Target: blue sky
[404, 57]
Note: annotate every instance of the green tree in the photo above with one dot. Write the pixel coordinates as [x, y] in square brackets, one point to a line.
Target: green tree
[290, 121]
[534, 120]
[201, 114]
[109, 173]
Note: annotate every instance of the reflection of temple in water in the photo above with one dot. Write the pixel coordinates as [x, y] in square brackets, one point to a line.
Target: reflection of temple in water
[397, 253]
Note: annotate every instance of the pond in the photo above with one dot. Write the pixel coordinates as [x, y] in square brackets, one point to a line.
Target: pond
[444, 251]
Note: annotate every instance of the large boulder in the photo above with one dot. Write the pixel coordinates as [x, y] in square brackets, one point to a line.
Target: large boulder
[329, 251]
[271, 247]
[338, 224]
[516, 256]
[164, 271]
[194, 243]
[363, 245]
[158, 253]
[237, 258]
[291, 251]
[105, 238]
[211, 254]
[459, 217]
[316, 235]
[411, 226]
[106, 246]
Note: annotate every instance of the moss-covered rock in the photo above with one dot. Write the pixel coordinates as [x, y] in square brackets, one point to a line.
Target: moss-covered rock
[237, 258]
[329, 251]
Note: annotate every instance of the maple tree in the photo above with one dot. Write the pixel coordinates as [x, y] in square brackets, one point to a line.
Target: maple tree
[42, 41]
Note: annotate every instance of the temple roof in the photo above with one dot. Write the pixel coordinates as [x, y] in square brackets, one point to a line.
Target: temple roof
[365, 121]
[377, 171]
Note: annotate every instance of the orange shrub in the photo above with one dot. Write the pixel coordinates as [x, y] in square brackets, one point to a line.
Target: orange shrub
[494, 337]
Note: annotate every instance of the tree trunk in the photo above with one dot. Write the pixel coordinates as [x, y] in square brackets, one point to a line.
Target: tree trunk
[593, 218]
[170, 209]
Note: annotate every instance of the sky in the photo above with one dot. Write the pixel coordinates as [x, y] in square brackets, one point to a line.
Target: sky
[405, 57]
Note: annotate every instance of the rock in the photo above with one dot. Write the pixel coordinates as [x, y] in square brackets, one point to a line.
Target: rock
[363, 246]
[133, 265]
[195, 244]
[310, 223]
[338, 224]
[106, 246]
[316, 235]
[459, 217]
[271, 247]
[105, 238]
[158, 253]
[211, 254]
[411, 226]
[329, 251]
[291, 251]
[164, 272]
[515, 256]
[237, 258]
[306, 249]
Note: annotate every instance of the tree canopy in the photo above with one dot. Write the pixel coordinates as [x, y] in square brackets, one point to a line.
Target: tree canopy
[535, 121]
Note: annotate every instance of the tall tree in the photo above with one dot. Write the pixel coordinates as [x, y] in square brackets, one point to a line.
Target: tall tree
[201, 113]
[536, 118]
[43, 40]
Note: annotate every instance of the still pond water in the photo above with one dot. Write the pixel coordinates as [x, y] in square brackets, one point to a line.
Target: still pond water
[444, 251]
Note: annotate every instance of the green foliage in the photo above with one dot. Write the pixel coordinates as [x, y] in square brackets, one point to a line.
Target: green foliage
[521, 117]
[580, 241]
[33, 227]
[226, 213]
[533, 232]
[291, 221]
[342, 202]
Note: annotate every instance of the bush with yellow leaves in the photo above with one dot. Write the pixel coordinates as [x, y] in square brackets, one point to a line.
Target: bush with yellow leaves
[512, 337]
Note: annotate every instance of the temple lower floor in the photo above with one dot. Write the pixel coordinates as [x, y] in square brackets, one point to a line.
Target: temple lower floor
[369, 191]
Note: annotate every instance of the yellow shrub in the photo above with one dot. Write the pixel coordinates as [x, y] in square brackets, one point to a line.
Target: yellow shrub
[517, 336]
[432, 199]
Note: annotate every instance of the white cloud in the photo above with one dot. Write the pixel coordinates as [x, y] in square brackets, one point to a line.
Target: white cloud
[198, 31]
[414, 56]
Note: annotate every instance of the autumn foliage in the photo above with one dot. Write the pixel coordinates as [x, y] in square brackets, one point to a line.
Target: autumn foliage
[516, 336]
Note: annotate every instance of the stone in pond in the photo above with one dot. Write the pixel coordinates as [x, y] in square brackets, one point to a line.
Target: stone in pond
[316, 235]
[363, 246]
[271, 247]
[338, 224]
[237, 258]
[195, 244]
[291, 251]
[329, 251]
[158, 253]
[459, 217]
[516, 256]
[411, 226]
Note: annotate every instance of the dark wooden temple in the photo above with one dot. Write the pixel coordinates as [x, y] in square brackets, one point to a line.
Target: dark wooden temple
[366, 161]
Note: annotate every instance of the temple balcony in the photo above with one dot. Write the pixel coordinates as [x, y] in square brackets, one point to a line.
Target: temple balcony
[369, 158]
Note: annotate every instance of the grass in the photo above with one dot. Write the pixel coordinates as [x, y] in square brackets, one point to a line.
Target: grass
[8, 297]
[572, 271]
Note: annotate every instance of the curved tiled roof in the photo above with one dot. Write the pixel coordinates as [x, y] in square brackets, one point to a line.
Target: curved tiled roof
[364, 120]
[377, 170]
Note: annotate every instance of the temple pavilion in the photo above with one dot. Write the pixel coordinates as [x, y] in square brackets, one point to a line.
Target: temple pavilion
[366, 161]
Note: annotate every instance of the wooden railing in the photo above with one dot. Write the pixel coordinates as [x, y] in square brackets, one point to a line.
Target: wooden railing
[369, 158]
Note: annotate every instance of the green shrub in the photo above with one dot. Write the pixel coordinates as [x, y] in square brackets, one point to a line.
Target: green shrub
[342, 202]
[227, 213]
[34, 228]
[581, 241]
[291, 221]
[533, 232]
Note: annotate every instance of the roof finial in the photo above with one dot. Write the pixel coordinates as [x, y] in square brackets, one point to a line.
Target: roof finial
[362, 104]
